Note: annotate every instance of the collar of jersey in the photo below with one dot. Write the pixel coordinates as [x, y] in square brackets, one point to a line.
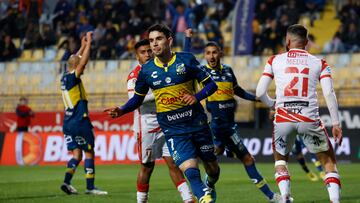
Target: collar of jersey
[165, 66]
[298, 50]
[221, 67]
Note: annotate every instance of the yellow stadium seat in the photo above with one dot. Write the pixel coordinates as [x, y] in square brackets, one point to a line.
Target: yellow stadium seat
[100, 66]
[26, 55]
[17, 42]
[59, 54]
[11, 67]
[355, 61]
[38, 55]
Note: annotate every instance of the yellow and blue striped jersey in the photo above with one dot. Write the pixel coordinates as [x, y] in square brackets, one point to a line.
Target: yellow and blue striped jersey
[74, 97]
[222, 104]
[169, 83]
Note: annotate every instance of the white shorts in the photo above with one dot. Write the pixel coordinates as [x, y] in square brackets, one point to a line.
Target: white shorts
[151, 146]
[313, 134]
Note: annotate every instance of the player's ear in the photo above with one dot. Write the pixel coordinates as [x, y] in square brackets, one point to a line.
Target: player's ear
[170, 39]
[306, 42]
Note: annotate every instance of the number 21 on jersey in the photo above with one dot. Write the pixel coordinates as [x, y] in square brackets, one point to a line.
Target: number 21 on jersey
[291, 89]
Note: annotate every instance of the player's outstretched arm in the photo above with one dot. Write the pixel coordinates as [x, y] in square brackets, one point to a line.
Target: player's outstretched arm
[188, 34]
[331, 102]
[132, 104]
[82, 47]
[86, 54]
[261, 91]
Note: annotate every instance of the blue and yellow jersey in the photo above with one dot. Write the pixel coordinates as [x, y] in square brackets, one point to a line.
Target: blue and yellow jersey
[169, 83]
[74, 97]
[222, 104]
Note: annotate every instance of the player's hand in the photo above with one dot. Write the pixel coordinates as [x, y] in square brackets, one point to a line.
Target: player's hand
[83, 41]
[188, 32]
[114, 112]
[337, 133]
[189, 99]
[89, 36]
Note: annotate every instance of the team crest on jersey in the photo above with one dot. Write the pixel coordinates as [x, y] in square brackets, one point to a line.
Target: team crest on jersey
[154, 74]
[180, 69]
[168, 80]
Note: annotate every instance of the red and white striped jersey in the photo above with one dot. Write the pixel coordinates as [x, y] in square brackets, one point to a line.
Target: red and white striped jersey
[296, 74]
[145, 120]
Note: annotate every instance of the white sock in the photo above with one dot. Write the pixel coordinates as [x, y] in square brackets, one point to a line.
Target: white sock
[283, 180]
[185, 192]
[142, 197]
[332, 181]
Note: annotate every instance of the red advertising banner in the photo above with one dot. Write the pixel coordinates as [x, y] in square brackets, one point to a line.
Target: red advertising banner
[50, 148]
[52, 122]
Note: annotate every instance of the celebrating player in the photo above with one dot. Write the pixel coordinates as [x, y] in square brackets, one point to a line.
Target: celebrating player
[171, 77]
[151, 140]
[77, 128]
[222, 107]
[296, 74]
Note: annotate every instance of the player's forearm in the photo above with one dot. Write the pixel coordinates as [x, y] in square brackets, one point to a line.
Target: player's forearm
[261, 91]
[209, 89]
[132, 104]
[330, 98]
[81, 50]
[86, 54]
[187, 44]
[240, 92]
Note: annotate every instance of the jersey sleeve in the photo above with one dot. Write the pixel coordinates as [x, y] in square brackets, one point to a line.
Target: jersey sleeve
[325, 70]
[268, 71]
[141, 87]
[131, 86]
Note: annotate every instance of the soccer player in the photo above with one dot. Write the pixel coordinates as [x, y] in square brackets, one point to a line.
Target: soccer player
[77, 128]
[171, 76]
[151, 140]
[296, 73]
[222, 106]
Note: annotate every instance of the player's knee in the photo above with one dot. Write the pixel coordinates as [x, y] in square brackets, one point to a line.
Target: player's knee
[212, 168]
[219, 150]
[77, 154]
[147, 168]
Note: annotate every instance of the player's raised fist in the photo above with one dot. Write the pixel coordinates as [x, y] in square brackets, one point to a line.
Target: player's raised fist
[188, 32]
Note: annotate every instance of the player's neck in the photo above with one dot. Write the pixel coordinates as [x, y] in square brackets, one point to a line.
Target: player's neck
[165, 58]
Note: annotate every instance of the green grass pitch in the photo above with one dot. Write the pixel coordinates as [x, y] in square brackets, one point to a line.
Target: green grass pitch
[41, 184]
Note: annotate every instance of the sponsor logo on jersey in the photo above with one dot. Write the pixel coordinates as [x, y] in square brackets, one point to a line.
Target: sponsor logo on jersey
[207, 148]
[157, 82]
[168, 80]
[181, 115]
[172, 100]
[226, 105]
[180, 69]
[223, 77]
[226, 91]
[154, 74]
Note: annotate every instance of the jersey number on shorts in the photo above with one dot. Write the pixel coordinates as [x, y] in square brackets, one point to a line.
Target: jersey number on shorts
[290, 89]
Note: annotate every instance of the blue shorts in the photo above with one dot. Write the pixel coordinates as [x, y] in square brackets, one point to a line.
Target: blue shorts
[79, 135]
[190, 146]
[231, 141]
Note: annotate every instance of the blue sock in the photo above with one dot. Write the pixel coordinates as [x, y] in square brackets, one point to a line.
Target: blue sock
[303, 164]
[260, 183]
[89, 173]
[197, 186]
[316, 162]
[70, 170]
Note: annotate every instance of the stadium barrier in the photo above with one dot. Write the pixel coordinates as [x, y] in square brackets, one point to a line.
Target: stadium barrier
[115, 144]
